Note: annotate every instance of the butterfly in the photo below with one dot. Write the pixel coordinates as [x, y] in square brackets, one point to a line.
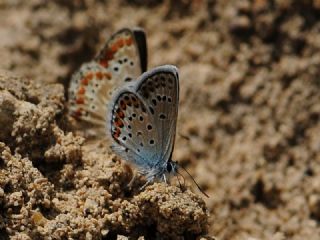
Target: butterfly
[142, 114]
[122, 59]
[142, 121]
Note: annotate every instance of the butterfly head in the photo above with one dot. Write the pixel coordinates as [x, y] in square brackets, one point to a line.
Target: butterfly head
[172, 167]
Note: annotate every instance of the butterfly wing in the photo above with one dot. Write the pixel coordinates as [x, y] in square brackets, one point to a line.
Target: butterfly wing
[123, 58]
[125, 54]
[159, 89]
[89, 89]
[143, 120]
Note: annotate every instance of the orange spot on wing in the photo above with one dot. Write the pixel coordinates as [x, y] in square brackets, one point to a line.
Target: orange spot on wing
[114, 47]
[117, 133]
[80, 100]
[122, 105]
[104, 63]
[85, 81]
[120, 114]
[119, 123]
[107, 75]
[81, 90]
[77, 113]
[99, 75]
[120, 43]
[129, 41]
[109, 55]
[90, 76]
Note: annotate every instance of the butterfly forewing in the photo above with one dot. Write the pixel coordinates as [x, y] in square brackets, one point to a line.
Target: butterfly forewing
[143, 119]
[92, 86]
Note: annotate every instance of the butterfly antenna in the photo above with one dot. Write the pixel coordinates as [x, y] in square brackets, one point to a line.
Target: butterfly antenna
[179, 182]
[203, 192]
[184, 137]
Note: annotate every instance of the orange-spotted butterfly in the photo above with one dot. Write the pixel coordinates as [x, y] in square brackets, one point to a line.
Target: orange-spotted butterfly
[122, 59]
[142, 121]
[140, 116]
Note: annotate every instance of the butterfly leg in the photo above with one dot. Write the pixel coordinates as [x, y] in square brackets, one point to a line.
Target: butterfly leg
[144, 185]
[149, 180]
[164, 178]
[132, 179]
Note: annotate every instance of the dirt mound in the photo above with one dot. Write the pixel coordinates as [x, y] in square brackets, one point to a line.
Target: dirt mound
[50, 186]
[250, 107]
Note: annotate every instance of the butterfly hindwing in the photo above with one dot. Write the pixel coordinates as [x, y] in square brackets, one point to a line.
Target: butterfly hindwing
[89, 82]
[122, 59]
[143, 119]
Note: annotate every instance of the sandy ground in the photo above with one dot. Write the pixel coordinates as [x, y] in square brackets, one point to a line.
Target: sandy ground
[250, 106]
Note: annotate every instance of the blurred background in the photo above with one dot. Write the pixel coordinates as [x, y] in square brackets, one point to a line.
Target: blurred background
[250, 99]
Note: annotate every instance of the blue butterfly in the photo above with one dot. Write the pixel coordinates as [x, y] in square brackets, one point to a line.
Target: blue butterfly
[142, 122]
